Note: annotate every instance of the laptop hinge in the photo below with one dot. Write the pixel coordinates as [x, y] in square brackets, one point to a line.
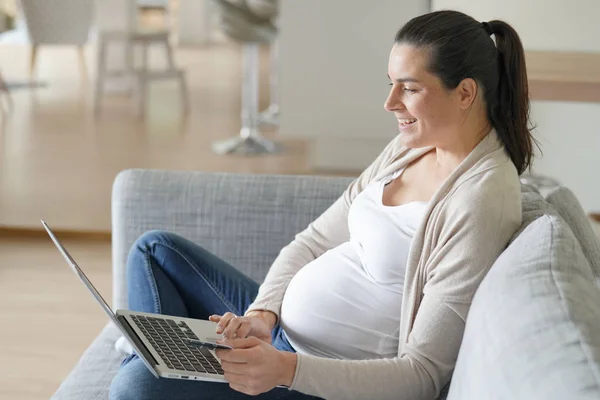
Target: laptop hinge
[135, 338]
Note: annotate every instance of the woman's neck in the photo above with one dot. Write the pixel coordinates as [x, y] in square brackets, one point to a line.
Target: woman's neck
[448, 158]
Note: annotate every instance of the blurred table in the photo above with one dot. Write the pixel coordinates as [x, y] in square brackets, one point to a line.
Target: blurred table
[564, 76]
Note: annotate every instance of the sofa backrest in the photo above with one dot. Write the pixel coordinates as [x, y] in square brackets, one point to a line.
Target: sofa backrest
[533, 330]
[568, 207]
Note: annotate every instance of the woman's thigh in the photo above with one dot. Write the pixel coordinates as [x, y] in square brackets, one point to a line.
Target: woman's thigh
[134, 381]
[169, 274]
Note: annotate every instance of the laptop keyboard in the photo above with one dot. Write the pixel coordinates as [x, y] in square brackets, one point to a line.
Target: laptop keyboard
[167, 337]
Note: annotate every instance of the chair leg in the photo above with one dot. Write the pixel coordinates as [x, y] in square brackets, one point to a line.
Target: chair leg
[100, 74]
[141, 94]
[182, 76]
[185, 103]
[130, 52]
[250, 87]
[33, 59]
[142, 82]
[169, 55]
[270, 116]
[274, 72]
[82, 64]
[4, 88]
[145, 56]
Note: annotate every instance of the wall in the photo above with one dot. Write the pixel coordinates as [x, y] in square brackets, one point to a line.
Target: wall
[570, 142]
[555, 25]
[333, 63]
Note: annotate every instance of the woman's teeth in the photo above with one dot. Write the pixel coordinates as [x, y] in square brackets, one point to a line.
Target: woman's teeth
[404, 122]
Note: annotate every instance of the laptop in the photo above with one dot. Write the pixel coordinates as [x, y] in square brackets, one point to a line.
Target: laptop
[164, 343]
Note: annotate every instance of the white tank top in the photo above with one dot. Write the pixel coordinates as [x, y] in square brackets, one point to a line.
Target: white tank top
[346, 303]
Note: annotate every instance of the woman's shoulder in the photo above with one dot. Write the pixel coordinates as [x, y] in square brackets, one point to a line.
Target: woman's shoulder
[493, 188]
[490, 171]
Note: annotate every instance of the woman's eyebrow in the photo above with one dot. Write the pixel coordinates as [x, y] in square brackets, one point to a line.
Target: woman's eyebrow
[403, 80]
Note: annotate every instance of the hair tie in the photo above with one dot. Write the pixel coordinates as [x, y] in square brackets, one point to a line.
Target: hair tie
[487, 28]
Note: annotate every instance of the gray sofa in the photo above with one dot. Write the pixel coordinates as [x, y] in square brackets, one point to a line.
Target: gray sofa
[533, 331]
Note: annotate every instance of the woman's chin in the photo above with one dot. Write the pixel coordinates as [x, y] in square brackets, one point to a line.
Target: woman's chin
[410, 140]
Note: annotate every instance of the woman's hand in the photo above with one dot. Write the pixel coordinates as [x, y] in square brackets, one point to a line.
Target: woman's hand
[234, 327]
[255, 367]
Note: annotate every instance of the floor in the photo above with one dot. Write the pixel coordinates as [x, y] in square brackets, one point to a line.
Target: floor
[48, 317]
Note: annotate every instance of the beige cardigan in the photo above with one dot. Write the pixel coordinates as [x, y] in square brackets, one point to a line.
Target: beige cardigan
[468, 223]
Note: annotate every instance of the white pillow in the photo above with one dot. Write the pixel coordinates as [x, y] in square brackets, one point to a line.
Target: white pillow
[533, 331]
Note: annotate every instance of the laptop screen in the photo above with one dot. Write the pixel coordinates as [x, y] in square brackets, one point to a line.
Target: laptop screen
[95, 293]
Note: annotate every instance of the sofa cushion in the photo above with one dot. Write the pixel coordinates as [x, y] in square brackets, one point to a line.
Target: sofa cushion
[567, 205]
[533, 331]
[91, 377]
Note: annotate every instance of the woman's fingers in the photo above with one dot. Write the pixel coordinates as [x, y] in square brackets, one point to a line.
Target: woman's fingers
[234, 367]
[224, 321]
[232, 326]
[231, 331]
[244, 329]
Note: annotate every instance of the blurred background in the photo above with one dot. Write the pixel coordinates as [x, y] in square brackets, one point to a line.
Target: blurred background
[89, 88]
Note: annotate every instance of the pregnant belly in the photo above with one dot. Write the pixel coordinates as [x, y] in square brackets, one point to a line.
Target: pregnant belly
[334, 309]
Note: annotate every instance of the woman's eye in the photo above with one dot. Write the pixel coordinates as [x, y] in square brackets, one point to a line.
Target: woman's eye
[404, 89]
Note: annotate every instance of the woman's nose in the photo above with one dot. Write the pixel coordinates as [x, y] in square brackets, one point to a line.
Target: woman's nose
[392, 102]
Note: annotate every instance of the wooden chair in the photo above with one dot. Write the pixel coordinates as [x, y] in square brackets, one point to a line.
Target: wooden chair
[142, 75]
[58, 22]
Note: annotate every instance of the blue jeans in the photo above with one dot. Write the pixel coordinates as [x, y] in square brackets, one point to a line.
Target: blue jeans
[167, 274]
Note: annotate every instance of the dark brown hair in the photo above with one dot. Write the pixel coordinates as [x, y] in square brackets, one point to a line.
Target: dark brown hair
[461, 47]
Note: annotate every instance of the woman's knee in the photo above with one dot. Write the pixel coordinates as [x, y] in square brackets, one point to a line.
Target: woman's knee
[134, 381]
[127, 385]
[120, 389]
[143, 245]
[149, 238]
[146, 245]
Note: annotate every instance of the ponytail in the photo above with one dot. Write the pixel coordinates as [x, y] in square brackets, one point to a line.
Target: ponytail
[509, 113]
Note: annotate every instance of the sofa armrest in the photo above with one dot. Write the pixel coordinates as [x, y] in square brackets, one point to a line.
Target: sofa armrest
[244, 219]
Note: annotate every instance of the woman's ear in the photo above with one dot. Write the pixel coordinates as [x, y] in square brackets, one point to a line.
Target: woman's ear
[467, 92]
